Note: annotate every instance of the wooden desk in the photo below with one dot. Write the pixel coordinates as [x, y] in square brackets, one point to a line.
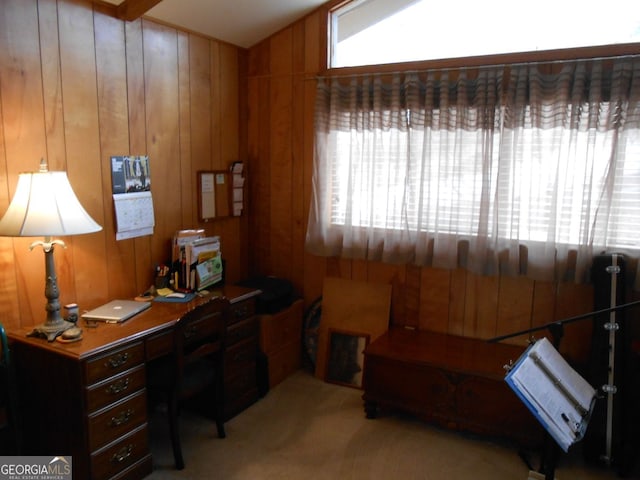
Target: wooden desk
[88, 399]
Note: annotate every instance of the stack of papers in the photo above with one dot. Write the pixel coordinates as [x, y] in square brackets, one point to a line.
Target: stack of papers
[554, 392]
[197, 259]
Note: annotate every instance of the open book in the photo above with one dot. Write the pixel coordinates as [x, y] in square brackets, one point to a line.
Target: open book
[554, 392]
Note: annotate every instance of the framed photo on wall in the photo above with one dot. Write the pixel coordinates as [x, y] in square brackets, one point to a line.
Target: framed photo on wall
[345, 357]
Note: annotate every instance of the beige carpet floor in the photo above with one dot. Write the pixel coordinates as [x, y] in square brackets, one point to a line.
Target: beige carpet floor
[308, 429]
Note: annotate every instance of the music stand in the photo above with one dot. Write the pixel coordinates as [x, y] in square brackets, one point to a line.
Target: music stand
[551, 450]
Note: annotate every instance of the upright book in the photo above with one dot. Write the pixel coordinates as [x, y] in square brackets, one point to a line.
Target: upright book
[554, 392]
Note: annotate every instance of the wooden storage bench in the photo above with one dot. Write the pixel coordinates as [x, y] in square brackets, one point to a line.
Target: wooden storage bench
[453, 381]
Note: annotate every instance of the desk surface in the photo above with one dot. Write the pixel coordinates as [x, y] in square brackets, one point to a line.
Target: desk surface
[161, 315]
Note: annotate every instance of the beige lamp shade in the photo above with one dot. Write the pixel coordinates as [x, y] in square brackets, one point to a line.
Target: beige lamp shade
[45, 205]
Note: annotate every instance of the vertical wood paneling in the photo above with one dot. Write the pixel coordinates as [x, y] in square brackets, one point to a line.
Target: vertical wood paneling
[215, 136]
[398, 307]
[24, 141]
[78, 86]
[227, 120]
[359, 270]
[574, 300]
[457, 304]
[261, 183]
[242, 242]
[481, 306]
[435, 285]
[188, 189]
[280, 166]
[114, 140]
[253, 165]
[136, 114]
[314, 267]
[8, 273]
[54, 125]
[200, 84]
[544, 303]
[51, 82]
[336, 268]
[136, 100]
[312, 42]
[412, 297]
[82, 139]
[228, 106]
[205, 101]
[515, 306]
[260, 59]
[384, 273]
[162, 114]
[298, 205]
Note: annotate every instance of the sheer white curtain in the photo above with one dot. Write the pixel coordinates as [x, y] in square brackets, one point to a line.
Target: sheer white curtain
[521, 170]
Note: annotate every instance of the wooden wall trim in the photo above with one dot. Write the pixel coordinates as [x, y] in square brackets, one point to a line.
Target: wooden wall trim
[130, 10]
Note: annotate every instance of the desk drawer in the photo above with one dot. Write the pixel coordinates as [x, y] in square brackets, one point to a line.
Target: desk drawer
[120, 455]
[111, 423]
[242, 353]
[243, 382]
[244, 329]
[241, 401]
[114, 362]
[203, 328]
[115, 388]
[241, 310]
[159, 345]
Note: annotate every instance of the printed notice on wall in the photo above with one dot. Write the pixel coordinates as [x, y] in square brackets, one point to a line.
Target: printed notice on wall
[208, 195]
[132, 199]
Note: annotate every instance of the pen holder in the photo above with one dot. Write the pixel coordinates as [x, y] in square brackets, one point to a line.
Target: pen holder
[71, 312]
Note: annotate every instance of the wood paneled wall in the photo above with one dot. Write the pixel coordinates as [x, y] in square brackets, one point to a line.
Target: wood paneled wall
[78, 86]
[281, 93]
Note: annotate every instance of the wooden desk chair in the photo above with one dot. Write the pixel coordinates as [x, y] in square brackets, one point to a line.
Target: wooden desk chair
[196, 366]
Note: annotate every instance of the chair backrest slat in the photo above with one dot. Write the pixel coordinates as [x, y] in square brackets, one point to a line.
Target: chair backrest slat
[200, 333]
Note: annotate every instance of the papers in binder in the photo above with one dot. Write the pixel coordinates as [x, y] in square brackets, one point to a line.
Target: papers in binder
[209, 272]
[554, 392]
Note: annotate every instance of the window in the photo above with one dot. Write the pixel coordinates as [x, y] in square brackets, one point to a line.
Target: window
[516, 170]
[369, 32]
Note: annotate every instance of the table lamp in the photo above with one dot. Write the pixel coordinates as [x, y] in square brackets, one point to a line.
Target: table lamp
[45, 205]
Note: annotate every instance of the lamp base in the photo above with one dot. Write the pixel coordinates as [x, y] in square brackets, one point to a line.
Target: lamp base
[51, 330]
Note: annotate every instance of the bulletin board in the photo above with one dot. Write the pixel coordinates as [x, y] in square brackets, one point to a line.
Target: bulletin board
[214, 194]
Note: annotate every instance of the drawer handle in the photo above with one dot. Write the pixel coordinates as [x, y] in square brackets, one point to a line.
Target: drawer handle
[121, 419]
[122, 454]
[117, 360]
[241, 311]
[118, 387]
[192, 331]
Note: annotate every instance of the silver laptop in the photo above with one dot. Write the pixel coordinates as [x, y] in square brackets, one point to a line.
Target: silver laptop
[116, 311]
